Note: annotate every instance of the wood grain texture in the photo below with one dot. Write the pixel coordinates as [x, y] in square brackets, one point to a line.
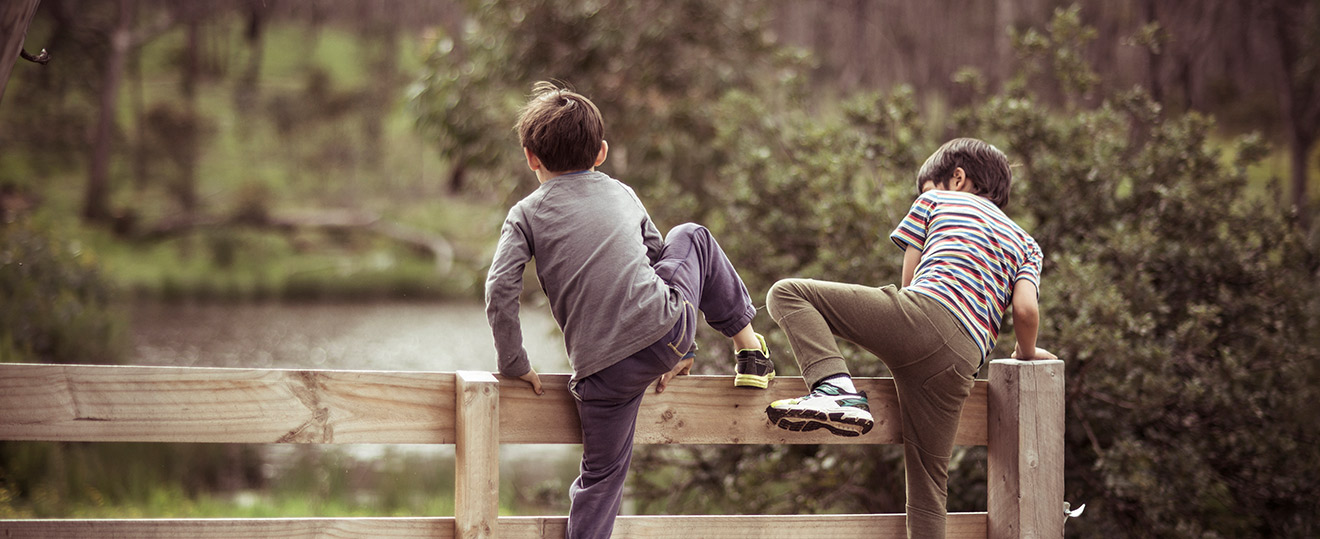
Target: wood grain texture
[477, 456]
[1025, 455]
[189, 404]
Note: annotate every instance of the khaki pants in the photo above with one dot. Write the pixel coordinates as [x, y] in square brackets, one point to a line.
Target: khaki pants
[932, 358]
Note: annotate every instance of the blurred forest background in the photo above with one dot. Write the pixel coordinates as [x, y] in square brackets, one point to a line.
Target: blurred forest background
[280, 150]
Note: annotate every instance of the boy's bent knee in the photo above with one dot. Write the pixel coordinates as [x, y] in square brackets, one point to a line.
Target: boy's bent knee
[783, 295]
[686, 229]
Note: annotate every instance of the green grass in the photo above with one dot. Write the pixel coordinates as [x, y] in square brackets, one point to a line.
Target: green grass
[169, 502]
[146, 480]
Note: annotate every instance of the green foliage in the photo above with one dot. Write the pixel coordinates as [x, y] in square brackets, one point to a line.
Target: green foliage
[656, 70]
[57, 306]
[1056, 58]
[809, 195]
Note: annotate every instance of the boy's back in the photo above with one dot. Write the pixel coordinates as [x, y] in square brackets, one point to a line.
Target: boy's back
[972, 255]
[594, 245]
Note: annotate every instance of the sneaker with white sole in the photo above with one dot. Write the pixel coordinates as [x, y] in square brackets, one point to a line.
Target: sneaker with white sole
[827, 407]
[753, 368]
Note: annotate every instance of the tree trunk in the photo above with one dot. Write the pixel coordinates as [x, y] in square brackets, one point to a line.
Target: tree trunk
[96, 204]
[1301, 149]
[139, 106]
[1005, 19]
[246, 91]
[15, 16]
[1297, 93]
[382, 59]
[1155, 56]
[458, 176]
[186, 184]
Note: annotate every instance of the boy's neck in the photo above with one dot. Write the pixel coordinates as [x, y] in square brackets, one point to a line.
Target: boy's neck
[543, 175]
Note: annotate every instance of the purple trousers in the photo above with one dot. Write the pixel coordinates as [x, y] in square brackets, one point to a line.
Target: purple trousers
[607, 402]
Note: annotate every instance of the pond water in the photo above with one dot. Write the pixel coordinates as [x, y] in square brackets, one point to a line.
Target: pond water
[401, 336]
[375, 336]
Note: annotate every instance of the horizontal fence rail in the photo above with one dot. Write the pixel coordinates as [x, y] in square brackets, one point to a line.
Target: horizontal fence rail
[1018, 414]
[197, 404]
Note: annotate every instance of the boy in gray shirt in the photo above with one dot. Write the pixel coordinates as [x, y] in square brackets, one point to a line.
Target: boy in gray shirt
[626, 300]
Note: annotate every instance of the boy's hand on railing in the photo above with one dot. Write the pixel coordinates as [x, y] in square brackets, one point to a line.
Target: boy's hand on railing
[532, 378]
[683, 367]
[1039, 353]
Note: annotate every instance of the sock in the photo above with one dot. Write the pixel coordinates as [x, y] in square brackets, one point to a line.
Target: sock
[841, 381]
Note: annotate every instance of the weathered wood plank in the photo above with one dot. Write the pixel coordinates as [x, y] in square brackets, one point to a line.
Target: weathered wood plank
[960, 526]
[709, 410]
[1025, 456]
[189, 404]
[477, 456]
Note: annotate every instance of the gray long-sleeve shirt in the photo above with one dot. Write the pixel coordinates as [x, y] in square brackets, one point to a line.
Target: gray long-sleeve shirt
[594, 245]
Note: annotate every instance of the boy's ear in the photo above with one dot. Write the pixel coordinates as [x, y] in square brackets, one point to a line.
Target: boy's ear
[604, 150]
[532, 161]
[960, 181]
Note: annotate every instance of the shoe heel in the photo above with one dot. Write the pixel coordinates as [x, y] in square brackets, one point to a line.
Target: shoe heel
[752, 380]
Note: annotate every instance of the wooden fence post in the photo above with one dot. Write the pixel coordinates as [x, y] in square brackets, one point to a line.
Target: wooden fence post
[1025, 449]
[476, 455]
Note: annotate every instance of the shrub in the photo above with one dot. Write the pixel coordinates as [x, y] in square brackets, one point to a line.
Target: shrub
[57, 307]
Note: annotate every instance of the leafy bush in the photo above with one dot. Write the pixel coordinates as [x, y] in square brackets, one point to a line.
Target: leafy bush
[57, 307]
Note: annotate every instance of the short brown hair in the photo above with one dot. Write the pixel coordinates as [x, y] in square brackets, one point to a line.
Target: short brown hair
[561, 127]
[985, 166]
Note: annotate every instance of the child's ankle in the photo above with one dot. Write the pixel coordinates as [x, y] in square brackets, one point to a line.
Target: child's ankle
[841, 381]
[757, 343]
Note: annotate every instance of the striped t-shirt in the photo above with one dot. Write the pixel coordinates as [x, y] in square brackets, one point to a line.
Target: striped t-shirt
[971, 256]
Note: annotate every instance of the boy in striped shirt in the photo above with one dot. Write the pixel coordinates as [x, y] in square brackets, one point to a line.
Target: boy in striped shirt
[965, 263]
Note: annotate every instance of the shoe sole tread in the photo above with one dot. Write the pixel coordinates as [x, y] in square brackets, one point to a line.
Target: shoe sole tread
[752, 380]
[801, 420]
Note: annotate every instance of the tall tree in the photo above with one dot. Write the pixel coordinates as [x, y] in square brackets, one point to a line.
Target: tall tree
[96, 198]
[185, 185]
[122, 38]
[246, 89]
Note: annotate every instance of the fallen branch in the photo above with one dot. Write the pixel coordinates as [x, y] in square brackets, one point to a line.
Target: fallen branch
[440, 250]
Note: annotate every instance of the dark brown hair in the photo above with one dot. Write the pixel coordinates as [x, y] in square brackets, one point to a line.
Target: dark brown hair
[985, 166]
[561, 127]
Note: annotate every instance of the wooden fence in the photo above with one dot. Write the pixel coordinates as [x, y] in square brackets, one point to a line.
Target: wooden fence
[1017, 414]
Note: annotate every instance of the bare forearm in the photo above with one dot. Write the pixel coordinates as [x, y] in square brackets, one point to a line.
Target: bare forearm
[1026, 324]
